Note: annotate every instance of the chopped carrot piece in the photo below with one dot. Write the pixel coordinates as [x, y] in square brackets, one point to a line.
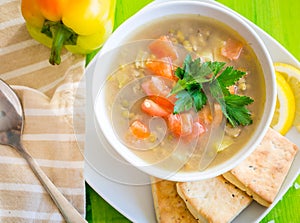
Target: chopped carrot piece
[153, 109]
[139, 130]
[162, 68]
[165, 103]
[163, 47]
[232, 49]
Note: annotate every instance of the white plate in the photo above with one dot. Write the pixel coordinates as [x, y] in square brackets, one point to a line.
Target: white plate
[109, 177]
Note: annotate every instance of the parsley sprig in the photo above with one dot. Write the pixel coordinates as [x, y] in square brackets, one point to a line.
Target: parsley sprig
[197, 79]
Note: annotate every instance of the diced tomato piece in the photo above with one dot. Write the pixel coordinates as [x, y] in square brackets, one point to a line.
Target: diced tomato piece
[198, 129]
[163, 102]
[180, 124]
[155, 86]
[232, 49]
[174, 123]
[162, 68]
[139, 130]
[153, 109]
[163, 47]
[149, 88]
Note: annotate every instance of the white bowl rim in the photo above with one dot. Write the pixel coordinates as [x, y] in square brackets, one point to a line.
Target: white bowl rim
[257, 136]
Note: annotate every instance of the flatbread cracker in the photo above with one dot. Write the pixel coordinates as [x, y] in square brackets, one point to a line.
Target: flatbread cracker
[263, 172]
[169, 207]
[213, 200]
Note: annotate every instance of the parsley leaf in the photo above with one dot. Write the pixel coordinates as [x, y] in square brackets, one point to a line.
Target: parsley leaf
[199, 99]
[228, 78]
[184, 102]
[236, 112]
[197, 79]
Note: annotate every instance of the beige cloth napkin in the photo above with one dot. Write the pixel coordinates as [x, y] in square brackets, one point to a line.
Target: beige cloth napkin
[53, 102]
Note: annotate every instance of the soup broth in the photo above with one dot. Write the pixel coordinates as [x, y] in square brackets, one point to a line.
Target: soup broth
[128, 89]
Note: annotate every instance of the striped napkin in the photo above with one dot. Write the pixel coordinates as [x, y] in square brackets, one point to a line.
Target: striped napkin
[53, 102]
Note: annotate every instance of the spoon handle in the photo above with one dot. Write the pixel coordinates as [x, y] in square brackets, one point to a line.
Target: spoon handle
[70, 214]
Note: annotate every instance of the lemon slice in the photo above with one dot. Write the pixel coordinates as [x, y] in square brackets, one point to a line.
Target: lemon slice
[292, 76]
[285, 106]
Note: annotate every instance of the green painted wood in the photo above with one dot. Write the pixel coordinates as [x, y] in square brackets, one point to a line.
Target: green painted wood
[280, 19]
[99, 211]
[287, 209]
[127, 8]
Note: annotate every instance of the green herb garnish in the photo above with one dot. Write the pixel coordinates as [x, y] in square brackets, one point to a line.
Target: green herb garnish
[197, 79]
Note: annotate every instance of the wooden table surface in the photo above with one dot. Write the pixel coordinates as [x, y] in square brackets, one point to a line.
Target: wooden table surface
[280, 19]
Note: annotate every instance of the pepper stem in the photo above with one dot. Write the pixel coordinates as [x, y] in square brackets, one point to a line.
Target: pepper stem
[61, 35]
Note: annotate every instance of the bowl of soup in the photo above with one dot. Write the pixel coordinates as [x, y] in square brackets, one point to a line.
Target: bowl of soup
[184, 90]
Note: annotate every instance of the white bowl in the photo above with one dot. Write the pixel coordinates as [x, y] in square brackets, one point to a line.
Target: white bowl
[105, 61]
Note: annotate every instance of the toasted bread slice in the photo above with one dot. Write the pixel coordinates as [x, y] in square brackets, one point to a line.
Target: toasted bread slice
[213, 200]
[263, 172]
[169, 207]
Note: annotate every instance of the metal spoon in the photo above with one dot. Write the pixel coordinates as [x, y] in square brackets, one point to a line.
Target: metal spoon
[11, 126]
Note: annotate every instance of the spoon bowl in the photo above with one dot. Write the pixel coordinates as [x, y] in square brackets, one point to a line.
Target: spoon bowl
[11, 126]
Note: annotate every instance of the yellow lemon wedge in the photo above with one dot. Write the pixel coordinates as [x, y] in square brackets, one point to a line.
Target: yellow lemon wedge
[292, 76]
[285, 106]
